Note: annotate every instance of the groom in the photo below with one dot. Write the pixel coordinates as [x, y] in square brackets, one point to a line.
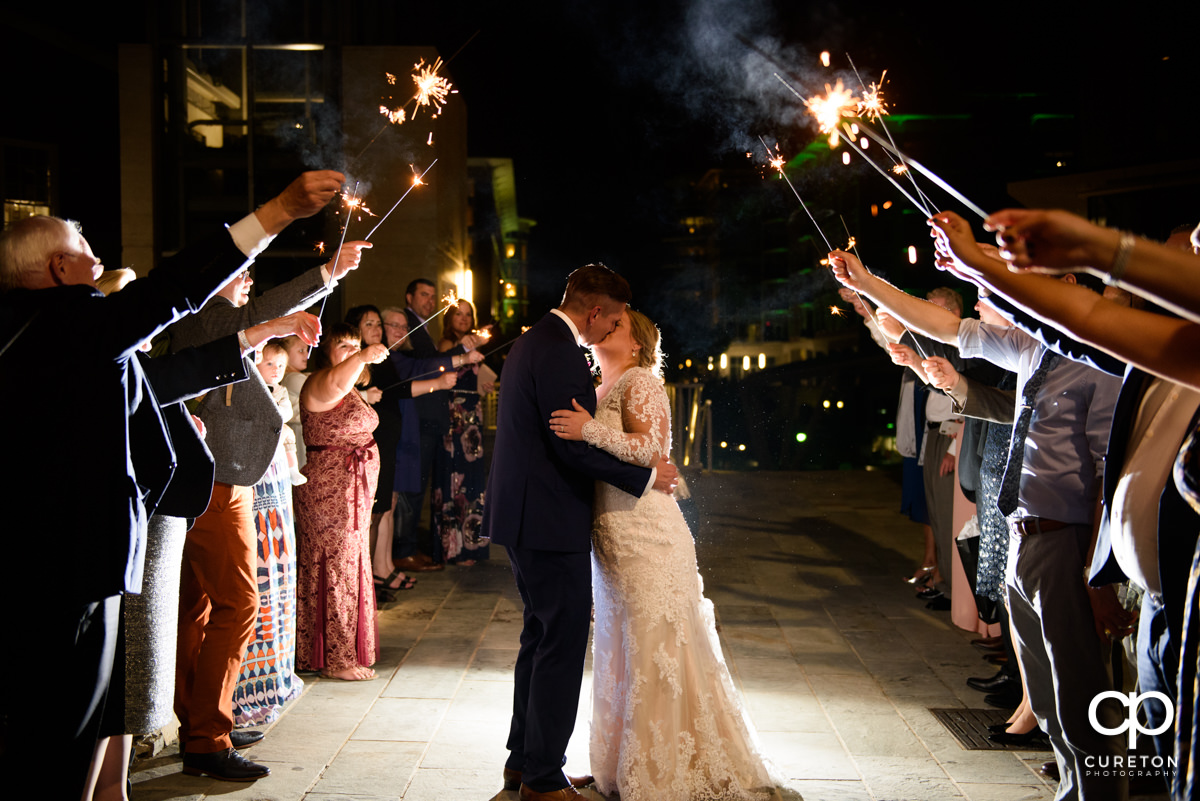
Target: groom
[539, 507]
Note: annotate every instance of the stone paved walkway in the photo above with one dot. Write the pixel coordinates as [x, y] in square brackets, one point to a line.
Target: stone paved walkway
[839, 665]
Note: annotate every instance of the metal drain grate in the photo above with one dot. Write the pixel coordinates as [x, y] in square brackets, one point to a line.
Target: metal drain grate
[970, 728]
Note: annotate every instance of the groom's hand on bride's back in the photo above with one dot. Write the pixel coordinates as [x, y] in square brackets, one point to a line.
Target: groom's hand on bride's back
[667, 476]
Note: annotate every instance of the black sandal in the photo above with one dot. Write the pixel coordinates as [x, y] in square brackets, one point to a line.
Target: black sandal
[386, 584]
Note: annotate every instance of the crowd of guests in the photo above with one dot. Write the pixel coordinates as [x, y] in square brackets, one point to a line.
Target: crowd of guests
[251, 533]
[1083, 468]
[249, 506]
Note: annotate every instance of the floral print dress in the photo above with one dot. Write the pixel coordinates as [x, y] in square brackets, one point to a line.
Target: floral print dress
[458, 490]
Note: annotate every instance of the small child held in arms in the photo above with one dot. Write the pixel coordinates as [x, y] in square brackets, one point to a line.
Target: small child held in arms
[271, 367]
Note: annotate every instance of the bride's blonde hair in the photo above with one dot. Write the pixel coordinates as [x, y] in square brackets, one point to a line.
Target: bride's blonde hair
[646, 334]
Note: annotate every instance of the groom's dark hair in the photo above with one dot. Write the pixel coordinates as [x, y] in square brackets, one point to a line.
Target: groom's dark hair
[588, 286]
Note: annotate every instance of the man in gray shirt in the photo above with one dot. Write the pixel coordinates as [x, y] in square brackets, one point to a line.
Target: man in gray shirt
[1053, 486]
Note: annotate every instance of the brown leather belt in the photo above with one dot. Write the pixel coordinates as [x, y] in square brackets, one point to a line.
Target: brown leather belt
[1028, 526]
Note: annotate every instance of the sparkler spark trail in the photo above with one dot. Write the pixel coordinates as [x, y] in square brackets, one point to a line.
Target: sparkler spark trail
[431, 92]
[352, 203]
[872, 104]
[431, 87]
[417, 181]
[320, 248]
[875, 108]
[830, 108]
[777, 162]
[837, 311]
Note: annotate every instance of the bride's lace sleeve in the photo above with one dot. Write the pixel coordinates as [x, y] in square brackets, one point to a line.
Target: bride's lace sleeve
[645, 418]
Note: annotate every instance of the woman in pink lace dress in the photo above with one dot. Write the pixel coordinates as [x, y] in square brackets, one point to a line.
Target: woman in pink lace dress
[336, 600]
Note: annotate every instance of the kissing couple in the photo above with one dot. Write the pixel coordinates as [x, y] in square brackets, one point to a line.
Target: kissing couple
[580, 495]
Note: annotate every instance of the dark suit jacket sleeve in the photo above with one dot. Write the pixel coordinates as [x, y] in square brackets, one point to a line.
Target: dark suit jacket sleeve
[181, 284]
[571, 381]
[988, 403]
[193, 371]
[1056, 339]
[301, 292]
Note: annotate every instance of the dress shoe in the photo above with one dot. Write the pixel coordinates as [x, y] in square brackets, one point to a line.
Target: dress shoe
[1000, 683]
[567, 793]
[244, 738]
[929, 594]
[1033, 740]
[412, 563]
[512, 780]
[939, 604]
[1050, 770]
[987, 643]
[227, 765]
[1007, 700]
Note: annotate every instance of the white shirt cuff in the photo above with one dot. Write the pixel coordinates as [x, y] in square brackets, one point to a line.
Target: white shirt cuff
[650, 483]
[249, 236]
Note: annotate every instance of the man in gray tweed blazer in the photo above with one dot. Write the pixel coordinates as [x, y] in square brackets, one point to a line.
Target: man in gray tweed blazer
[218, 594]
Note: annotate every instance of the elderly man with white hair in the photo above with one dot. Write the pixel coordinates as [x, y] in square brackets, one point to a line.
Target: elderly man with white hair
[75, 506]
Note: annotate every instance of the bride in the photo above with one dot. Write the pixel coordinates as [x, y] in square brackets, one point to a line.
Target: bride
[667, 722]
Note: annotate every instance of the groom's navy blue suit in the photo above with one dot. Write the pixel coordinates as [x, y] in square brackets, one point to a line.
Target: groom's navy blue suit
[539, 507]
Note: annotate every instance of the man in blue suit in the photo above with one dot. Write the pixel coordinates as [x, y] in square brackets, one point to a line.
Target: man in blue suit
[539, 507]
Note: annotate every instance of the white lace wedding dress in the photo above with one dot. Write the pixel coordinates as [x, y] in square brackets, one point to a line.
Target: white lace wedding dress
[667, 722]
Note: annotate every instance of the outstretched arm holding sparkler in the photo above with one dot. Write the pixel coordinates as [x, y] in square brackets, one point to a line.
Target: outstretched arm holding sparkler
[1153, 342]
[920, 315]
[303, 197]
[1056, 242]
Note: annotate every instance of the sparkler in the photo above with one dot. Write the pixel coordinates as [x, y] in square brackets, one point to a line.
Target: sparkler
[928, 173]
[336, 256]
[417, 181]
[830, 108]
[451, 300]
[853, 245]
[353, 202]
[777, 163]
[875, 109]
[872, 103]
[432, 90]
[920, 206]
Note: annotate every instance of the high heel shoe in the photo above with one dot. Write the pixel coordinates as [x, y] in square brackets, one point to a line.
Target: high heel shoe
[921, 576]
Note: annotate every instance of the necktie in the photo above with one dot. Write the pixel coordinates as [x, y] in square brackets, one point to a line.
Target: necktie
[1011, 483]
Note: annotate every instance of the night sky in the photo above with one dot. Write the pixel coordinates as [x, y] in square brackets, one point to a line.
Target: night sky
[604, 106]
[607, 106]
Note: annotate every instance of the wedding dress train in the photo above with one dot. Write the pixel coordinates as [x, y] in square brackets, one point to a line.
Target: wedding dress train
[667, 721]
